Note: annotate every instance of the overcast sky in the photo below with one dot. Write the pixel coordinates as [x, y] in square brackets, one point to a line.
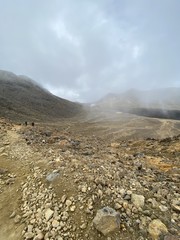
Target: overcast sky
[83, 49]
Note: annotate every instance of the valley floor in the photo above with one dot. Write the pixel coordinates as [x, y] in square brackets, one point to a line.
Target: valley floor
[55, 177]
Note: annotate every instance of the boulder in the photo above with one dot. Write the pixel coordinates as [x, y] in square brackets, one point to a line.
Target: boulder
[106, 220]
[156, 229]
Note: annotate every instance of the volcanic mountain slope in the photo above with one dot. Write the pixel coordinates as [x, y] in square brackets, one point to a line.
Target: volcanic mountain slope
[23, 99]
[159, 103]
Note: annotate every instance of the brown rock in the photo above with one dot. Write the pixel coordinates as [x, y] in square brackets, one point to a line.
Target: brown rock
[106, 220]
[157, 228]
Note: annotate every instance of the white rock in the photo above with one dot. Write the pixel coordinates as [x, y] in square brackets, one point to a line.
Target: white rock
[40, 236]
[137, 200]
[30, 228]
[55, 223]
[68, 203]
[59, 238]
[72, 208]
[29, 235]
[48, 214]
[65, 216]
[84, 189]
[13, 214]
[163, 208]
[83, 226]
[17, 219]
[63, 199]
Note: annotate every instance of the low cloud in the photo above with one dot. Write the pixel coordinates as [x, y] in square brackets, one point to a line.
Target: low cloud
[81, 50]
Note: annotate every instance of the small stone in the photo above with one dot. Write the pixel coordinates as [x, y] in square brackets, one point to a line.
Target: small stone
[17, 219]
[83, 226]
[13, 214]
[2, 149]
[10, 181]
[29, 235]
[30, 228]
[157, 228]
[63, 199]
[48, 205]
[68, 203]
[48, 214]
[127, 197]
[52, 176]
[137, 200]
[115, 145]
[55, 223]
[40, 236]
[117, 206]
[176, 208]
[84, 189]
[65, 216]
[125, 204]
[129, 192]
[72, 208]
[122, 191]
[163, 208]
[62, 224]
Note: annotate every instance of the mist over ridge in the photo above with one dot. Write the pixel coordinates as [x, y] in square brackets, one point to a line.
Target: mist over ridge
[83, 50]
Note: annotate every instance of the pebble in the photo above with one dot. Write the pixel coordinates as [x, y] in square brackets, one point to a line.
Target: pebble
[68, 203]
[63, 199]
[84, 189]
[83, 226]
[72, 208]
[17, 219]
[55, 223]
[138, 200]
[13, 214]
[29, 235]
[163, 208]
[39, 236]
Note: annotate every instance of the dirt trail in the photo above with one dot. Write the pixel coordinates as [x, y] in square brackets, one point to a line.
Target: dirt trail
[16, 158]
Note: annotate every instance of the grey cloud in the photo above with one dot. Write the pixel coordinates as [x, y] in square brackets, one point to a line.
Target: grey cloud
[82, 50]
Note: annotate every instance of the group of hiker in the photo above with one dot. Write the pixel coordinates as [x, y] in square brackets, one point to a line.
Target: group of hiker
[26, 123]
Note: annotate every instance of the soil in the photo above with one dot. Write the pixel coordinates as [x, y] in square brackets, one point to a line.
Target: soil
[87, 154]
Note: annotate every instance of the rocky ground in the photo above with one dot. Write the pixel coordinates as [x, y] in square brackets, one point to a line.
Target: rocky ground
[60, 184]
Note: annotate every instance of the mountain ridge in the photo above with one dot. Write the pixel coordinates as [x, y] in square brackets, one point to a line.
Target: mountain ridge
[22, 98]
[164, 98]
[158, 103]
